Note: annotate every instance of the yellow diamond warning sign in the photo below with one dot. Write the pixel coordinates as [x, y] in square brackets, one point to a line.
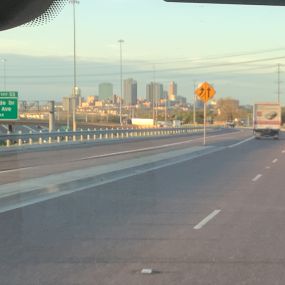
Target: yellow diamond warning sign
[205, 92]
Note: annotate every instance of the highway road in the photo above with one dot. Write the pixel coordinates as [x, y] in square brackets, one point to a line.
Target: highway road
[21, 165]
[214, 218]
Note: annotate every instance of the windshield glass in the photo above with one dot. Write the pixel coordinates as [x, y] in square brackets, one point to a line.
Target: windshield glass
[141, 142]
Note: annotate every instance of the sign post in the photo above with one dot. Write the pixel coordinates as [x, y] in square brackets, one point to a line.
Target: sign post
[205, 92]
[205, 114]
[8, 106]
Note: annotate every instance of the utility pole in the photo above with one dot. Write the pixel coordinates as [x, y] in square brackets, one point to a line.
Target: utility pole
[278, 82]
[165, 113]
[121, 78]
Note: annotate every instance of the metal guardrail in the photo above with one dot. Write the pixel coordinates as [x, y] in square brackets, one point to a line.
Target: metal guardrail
[31, 138]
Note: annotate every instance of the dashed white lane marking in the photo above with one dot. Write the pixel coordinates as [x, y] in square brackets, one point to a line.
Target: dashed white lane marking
[283, 151]
[267, 167]
[258, 176]
[241, 142]
[206, 220]
[275, 160]
[146, 271]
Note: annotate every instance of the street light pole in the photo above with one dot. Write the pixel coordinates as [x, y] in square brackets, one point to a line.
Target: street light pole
[4, 60]
[194, 104]
[73, 2]
[154, 96]
[121, 79]
[165, 111]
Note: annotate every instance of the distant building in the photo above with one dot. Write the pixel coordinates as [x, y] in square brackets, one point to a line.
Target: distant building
[85, 105]
[116, 99]
[99, 104]
[130, 92]
[181, 100]
[105, 91]
[172, 91]
[66, 104]
[154, 92]
[91, 100]
[165, 94]
[199, 104]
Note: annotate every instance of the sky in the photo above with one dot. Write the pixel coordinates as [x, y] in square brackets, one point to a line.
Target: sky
[236, 48]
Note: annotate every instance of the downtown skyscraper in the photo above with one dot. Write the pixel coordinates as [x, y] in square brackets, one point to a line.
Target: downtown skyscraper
[154, 92]
[130, 92]
[172, 91]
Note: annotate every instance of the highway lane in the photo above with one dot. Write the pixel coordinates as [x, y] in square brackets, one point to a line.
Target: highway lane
[23, 128]
[209, 220]
[24, 165]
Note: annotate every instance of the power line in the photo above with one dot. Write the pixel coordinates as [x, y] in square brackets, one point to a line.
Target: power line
[101, 64]
[217, 65]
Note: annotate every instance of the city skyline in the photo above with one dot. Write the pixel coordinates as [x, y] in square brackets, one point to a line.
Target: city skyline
[152, 89]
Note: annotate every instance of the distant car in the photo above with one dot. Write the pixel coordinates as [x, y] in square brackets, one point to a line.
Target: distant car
[64, 129]
[230, 124]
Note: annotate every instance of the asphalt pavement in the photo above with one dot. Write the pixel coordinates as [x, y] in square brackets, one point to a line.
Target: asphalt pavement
[214, 219]
[22, 165]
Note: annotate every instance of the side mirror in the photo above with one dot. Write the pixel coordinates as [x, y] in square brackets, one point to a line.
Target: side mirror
[15, 13]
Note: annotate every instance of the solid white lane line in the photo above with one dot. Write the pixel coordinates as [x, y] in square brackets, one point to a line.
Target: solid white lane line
[241, 142]
[14, 170]
[207, 220]
[134, 150]
[275, 160]
[148, 148]
[258, 176]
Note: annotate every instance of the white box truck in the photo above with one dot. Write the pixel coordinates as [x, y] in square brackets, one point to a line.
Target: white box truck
[266, 120]
[142, 122]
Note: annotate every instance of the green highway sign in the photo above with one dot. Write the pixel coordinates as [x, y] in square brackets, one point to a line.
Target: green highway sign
[8, 105]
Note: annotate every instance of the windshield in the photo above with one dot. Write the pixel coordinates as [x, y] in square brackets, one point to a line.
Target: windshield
[141, 142]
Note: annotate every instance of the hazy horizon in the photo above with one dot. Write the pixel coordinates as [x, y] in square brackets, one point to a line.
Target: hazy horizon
[236, 48]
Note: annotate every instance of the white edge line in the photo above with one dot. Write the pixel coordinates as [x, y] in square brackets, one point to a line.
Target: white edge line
[149, 148]
[258, 176]
[241, 142]
[206, 220]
